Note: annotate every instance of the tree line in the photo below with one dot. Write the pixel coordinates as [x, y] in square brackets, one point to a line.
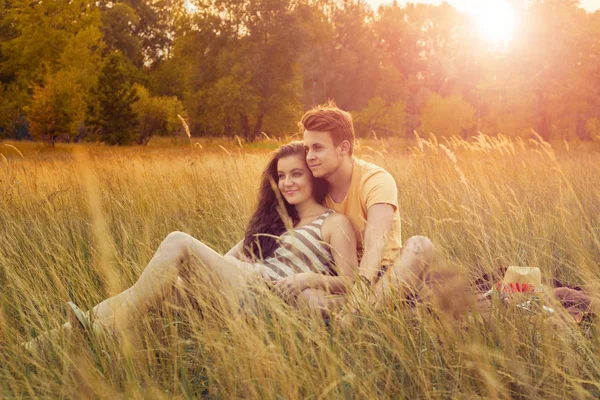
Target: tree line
[122, 71]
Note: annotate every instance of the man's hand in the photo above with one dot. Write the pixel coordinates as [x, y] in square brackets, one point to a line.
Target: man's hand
[290, 287]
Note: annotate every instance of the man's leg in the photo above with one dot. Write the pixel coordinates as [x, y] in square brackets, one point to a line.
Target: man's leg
[407, 273]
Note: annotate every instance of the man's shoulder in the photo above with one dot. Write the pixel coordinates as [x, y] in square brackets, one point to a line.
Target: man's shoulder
[370, 170]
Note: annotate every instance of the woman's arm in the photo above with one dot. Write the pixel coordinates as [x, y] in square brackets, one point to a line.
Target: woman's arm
[338, 233]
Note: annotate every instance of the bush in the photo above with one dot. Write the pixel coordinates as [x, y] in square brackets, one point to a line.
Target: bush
[9, 111]
[592, 128]
[157, 115]
[57, 109]
[381, 119]
[450, 116]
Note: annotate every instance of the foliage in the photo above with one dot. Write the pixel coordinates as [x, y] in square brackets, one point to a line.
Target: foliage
[82, 58]
[592, 127]
[42, 32]
[246, 55]
[111, 109]
[57, 109]
[118, 29]
[157, 115]
[10, 112]
[450, 116]
[225, 107]
[247, 67]
[380, 119]
[143, 30]
[348, 68]
[511, 114]
[48, 43]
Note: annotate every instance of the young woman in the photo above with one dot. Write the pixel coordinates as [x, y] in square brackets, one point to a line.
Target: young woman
[295, 245]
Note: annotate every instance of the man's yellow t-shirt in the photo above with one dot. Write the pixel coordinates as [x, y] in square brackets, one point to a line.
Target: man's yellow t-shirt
[370, 185]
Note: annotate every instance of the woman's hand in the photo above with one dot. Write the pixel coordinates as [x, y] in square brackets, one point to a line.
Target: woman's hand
[290, 287]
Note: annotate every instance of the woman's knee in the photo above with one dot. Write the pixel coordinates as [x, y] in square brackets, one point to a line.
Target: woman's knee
[175, 239]
[176, 245]
[176, 236]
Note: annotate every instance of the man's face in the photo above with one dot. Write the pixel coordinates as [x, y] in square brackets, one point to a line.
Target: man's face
[322, 156]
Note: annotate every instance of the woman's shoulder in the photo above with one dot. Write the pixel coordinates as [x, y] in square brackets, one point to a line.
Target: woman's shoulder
[335, 222]
[332, 215]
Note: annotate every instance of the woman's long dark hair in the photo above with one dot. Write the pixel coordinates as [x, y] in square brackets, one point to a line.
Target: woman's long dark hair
[267, 224]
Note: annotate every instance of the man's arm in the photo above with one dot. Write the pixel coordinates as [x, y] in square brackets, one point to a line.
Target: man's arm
[379, 226]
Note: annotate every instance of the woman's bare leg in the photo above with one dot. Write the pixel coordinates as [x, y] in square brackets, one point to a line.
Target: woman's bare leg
[178, 256]
[181, 264]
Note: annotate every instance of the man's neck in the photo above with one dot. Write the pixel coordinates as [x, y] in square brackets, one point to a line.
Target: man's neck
[340, 180]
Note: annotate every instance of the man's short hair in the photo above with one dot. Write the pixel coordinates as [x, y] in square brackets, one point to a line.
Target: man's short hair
[329, 118]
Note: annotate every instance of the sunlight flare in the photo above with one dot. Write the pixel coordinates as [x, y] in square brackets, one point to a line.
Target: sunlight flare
[495, 20]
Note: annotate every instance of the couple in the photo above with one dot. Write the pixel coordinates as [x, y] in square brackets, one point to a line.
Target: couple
[326, 223]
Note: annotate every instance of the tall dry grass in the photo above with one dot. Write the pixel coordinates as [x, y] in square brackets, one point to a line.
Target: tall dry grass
[81, 222]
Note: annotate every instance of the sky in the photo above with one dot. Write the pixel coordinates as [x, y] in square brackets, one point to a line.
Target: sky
[466, 5]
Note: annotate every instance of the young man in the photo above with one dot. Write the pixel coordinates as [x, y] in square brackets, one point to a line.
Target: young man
[368, 196]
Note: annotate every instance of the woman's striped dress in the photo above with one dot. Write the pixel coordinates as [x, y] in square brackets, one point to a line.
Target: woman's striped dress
[301, 250]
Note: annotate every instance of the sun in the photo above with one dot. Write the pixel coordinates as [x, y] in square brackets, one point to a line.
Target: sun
[495, 20]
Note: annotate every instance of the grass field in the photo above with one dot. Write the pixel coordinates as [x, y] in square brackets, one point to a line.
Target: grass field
[81, 222]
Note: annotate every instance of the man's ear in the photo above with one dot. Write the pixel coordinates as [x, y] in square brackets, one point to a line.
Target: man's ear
[345, 147]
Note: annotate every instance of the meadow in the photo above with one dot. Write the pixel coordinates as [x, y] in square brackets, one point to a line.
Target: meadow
[80, 222]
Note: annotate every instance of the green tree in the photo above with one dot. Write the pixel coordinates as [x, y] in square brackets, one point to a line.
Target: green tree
[42, 31]
[157, 27]
[118, 27]
[40, 40]
[422, 40]
[342, 60]
[111, 109]
[12, 121]
[171, 77]
[245, 58]
[143, 30]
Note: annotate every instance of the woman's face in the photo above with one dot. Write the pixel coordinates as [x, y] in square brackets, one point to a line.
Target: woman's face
[294, 179]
